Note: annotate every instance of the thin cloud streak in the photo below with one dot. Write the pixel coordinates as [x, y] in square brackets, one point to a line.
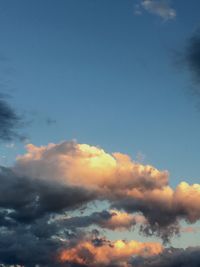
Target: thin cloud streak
[159, 8]
[10, 121]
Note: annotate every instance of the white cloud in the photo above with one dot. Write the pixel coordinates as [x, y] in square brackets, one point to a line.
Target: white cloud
[160, 8]
[10, 145]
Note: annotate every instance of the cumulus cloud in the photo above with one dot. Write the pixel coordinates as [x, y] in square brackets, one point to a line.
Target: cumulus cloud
[88, 166]
[44, 198]
[124, 183]
[160, 8]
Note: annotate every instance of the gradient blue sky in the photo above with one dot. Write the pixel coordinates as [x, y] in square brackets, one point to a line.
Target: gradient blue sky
[107, 76]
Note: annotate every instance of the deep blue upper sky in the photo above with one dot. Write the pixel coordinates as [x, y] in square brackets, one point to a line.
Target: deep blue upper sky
[107, 76]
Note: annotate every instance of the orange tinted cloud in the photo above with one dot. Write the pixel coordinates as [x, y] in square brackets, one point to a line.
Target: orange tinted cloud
[190, 229]
[115, 177]
[88, 166]
[118, 252]
[123, 220]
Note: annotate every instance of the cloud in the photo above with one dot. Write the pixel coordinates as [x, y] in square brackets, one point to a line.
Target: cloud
[9, 122]
[43, 193]
[189, 257]
[125, 184]
[113, 220]
[188, 60]
[164, 208]
[108, 253]
[28, 199]
[45, 240]
[160, 8]
[28, 235]
[193, 54]
[190, 229]
[88, 166]
[191, 59]
[22, 248]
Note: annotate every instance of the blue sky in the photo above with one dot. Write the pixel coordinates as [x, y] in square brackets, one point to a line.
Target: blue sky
[107, 76]
[109, 73]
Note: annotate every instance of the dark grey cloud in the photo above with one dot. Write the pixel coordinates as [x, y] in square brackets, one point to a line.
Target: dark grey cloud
[172, 257]
[111, 219]
[29, 199]
[34, 228]
[162, 221]
[192, 56]
[21, 247]
[10, 122]
[187, 61]
[190, 61]
[165, 233]
[98, 218]
[28, 233]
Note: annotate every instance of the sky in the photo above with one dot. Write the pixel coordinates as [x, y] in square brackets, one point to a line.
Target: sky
[99, 109]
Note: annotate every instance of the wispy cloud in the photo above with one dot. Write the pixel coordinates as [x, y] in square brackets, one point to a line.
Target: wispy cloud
[190, 229]
[187, 59]
[50, 121]
[161, 8]
[10, 122]
[192, 58]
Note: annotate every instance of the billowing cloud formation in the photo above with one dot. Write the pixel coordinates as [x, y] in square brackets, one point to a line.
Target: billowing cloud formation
[45, 199]
[159, 7]
[189, 257]
[9, 121]
[125, 184]
[90, 167]
[106, 253]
